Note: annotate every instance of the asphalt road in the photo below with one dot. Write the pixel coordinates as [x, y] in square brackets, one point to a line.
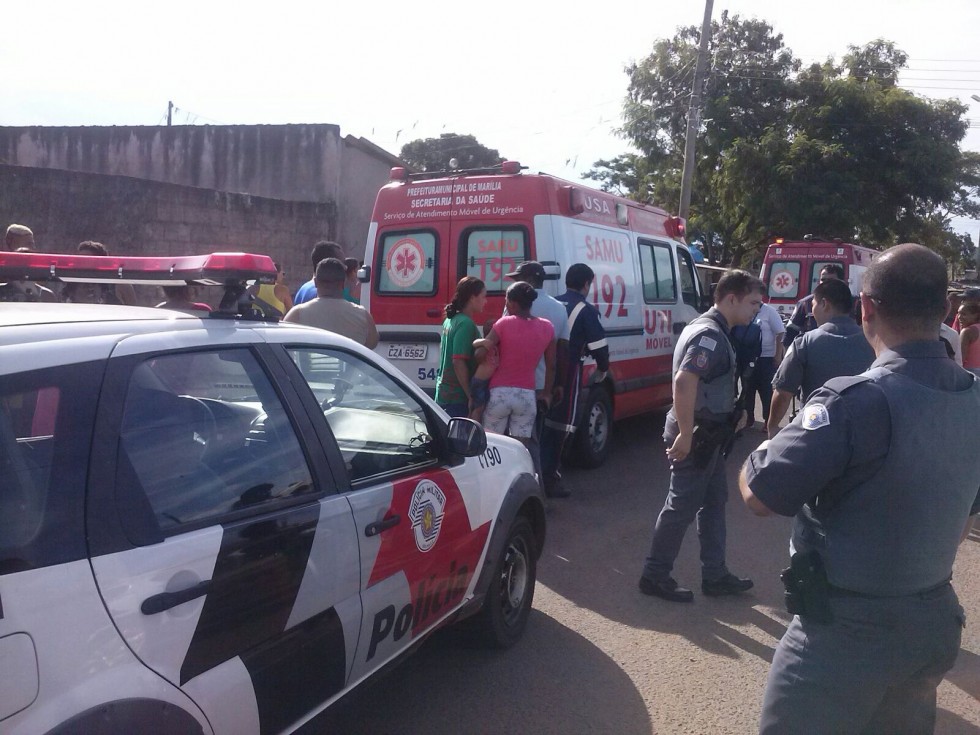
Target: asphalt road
[599, 657]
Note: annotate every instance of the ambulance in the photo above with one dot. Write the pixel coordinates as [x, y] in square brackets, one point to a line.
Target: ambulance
[427, 233]
[791, 269]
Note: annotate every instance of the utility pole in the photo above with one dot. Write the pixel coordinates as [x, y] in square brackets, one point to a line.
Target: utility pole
[170, 112]
[694, 112]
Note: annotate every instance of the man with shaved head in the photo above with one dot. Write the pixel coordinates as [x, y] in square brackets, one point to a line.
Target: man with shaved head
[881, 473]
[18, 237]
[330, 310]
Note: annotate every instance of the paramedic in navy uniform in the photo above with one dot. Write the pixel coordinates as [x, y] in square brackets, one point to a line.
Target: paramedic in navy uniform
[881, 472]
[704, 397]
[586, 338]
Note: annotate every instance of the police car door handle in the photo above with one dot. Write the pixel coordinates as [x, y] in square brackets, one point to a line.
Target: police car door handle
[166, 600]
[373, 529]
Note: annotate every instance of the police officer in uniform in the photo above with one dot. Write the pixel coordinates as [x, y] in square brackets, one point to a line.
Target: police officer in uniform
[699, 425]
[586, 338]
[802, 320]
[881, 473]
[836, 347]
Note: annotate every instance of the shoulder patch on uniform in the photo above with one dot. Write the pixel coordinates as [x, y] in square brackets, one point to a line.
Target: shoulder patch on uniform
[701, 361]
[815, 416]
[707, 342]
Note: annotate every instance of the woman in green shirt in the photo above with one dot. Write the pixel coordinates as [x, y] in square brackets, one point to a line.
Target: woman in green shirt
[456, 346]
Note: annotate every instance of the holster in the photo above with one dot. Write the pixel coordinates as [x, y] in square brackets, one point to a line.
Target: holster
[807, 589]
[707, 437]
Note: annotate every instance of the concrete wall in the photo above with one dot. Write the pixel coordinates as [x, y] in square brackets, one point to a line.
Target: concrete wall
[365, 169]
[302, 163]
[136, 217]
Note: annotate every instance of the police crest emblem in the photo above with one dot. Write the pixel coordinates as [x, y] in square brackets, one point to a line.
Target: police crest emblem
[815, 416]
[425, 512]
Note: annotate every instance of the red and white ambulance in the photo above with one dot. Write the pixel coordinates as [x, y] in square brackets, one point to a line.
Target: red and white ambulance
[791, 269]
[426, 234]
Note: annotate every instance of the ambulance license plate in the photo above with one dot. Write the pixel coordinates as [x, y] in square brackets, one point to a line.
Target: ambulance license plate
[408, 352]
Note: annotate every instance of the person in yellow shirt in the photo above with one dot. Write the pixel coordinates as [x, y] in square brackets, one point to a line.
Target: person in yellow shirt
[273, 298]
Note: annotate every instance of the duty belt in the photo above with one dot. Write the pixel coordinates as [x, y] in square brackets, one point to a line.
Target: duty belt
[930, 593]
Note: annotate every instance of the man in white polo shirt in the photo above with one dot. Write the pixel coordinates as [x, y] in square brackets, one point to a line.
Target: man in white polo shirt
[773, 331]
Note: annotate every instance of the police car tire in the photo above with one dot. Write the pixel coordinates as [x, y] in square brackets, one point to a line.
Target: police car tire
[503, 617]
[597, 411]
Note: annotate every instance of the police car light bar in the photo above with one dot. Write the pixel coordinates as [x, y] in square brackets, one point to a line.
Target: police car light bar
[208, 270]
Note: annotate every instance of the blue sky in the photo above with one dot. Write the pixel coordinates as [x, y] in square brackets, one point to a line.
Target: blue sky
[541, 82]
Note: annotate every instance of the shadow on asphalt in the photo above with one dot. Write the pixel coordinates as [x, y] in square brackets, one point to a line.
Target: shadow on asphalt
[948, 723]
[598, 538]
[448, 688]
[965, 674]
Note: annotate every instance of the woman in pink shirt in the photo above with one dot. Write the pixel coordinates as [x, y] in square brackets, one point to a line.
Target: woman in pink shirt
[521, 340]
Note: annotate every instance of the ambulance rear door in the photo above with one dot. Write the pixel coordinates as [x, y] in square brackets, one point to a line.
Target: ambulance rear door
[412, 275]
[783, 273]
[491, 232]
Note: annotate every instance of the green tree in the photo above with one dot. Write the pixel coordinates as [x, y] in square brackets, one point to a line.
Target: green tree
[834, 149]
[745, 90]
[434, 154]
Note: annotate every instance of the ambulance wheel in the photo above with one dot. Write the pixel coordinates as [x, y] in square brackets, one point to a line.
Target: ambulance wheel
[593, 438]
[503, 617]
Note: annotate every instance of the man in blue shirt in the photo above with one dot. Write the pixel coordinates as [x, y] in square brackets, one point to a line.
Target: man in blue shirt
[321, 251]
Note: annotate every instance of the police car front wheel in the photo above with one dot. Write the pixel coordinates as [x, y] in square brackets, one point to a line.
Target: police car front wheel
[505, 611]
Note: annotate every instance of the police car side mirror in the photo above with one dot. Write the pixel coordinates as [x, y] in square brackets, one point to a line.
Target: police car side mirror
[364, 274]
[466, 437]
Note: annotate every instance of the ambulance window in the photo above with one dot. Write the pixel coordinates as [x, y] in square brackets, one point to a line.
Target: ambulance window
[784, 279]
[657, 269]
[689, 289]
[407, 263]
[492, 253]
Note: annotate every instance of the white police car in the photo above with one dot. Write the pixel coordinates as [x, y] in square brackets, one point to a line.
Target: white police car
[219, 525]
